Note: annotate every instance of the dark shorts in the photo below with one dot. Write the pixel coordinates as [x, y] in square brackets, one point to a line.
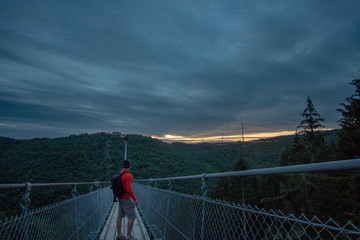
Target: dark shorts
[126, 207]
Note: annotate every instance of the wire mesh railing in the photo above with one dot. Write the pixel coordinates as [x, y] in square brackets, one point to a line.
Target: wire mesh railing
[80, 217]
[173, 215]
[176, 215]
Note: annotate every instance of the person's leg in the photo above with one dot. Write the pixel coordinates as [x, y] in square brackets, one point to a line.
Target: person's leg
[130, 212]
[118, 225]
[129, 226]
[121, 215]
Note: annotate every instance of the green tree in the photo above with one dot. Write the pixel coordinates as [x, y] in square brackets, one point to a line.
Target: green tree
[312, 122]
[284, 157]
[244, 189]
[232, 190]
[222, 189]
[349, 136]
[296, 154]
[297, 143]
[238, 183]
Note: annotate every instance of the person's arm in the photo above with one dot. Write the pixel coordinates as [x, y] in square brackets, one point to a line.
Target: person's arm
[128, 186]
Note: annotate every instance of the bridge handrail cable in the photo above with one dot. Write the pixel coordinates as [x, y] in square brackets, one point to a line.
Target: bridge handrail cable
[340, 165]
[24, 185]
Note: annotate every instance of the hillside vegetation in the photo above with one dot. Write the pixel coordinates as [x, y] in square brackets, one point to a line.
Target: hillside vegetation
[96, 157]
[223, 156]
[83, 158]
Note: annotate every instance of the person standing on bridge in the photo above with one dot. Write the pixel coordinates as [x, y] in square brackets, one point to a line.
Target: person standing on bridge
[126, 203]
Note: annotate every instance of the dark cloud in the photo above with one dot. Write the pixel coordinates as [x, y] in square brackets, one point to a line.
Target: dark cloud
[181, 68]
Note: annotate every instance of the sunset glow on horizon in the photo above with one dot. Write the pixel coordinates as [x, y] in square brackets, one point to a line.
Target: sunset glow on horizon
[225, 138]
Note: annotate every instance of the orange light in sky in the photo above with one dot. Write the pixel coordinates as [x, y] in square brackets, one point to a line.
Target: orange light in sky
[228, 138]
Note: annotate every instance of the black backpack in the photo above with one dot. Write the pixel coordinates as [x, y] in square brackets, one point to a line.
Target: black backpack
[117, 186]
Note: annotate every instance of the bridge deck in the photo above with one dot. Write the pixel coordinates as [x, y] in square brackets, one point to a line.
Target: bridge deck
[110, 232]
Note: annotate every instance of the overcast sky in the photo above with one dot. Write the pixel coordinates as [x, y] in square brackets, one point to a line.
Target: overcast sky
[161, 67]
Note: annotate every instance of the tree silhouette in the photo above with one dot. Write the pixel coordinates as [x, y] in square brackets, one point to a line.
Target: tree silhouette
[312, 122]
[349, 137]
[351, 111]
[222, 189]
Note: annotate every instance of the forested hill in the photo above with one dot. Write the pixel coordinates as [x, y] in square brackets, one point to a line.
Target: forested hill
[257, 154]
[96, 157]
[90, 157]
[85, 157]
[223, 156]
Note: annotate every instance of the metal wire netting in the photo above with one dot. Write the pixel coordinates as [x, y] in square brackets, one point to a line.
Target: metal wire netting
[80, 217]
[173, 215]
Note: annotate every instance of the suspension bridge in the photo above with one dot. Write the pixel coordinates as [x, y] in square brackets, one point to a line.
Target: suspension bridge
[167, 214]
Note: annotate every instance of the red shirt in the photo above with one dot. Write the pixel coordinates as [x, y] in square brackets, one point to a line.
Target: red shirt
[126, 180]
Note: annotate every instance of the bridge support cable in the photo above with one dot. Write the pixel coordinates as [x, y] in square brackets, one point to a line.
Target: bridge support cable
[79, 217]
[181, 216]
[342, 165]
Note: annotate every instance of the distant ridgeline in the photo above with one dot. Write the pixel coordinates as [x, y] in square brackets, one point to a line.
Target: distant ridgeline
[223, 156]
[92, 157]
[81, 158]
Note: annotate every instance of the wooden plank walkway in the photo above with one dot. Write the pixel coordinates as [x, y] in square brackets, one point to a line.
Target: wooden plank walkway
[109, 233]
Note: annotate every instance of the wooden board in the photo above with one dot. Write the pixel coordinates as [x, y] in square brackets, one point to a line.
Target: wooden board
[110, 232]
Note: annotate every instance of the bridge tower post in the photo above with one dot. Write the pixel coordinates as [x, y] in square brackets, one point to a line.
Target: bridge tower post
[125, 153]
[24, 204]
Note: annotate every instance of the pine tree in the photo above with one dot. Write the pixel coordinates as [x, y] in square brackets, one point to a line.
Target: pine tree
[351, 111]
[222, 189]
[240, 165]
[297, 145]
[349, 137]
[244, 189]
[298, 153]
[312, 119]
[284, 157]
[312, 122]
[238, 183]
